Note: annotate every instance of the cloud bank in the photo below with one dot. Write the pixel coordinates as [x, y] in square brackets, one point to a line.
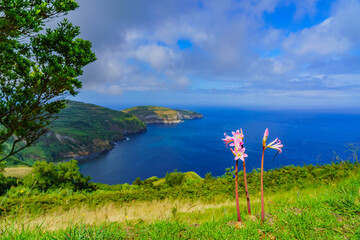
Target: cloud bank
[246, 53]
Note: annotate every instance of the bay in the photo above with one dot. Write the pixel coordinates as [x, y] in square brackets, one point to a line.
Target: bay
[309, 137]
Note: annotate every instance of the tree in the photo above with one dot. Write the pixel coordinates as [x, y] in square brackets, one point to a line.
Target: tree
[38, 68]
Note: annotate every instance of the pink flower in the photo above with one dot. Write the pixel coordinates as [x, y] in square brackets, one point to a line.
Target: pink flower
[227, 139]
[236, 135]
[266, 134]
[236, 141]
[276, 144]
[239, 154]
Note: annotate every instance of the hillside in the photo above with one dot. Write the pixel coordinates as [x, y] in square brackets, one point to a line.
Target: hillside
[80, 130]
[309, 202]
[155, 115]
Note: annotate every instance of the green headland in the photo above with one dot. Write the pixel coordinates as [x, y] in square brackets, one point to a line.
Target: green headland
[154, 114]
[83, 130]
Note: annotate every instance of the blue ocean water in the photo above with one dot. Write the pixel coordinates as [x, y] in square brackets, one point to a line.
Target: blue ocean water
[195, 145]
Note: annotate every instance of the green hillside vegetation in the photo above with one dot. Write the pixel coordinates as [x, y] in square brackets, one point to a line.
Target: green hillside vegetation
[149, 110]
[154, 114]
[309, 202]
[81, 129]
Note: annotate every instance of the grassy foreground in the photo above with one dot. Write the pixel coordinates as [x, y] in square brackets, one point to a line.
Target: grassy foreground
[316, 209]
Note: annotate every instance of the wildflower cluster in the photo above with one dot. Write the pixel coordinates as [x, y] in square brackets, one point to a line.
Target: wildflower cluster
[236, 141]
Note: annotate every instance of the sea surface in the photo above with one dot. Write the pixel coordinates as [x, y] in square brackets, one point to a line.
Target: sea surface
[309, 137]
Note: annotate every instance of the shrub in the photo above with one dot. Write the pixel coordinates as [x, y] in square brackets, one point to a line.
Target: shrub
[209, 177]
[45, 176]
[175, 178]
[137, 181]
[6, 182]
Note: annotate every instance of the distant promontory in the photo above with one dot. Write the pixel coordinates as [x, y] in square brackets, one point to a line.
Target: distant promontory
[161, 115]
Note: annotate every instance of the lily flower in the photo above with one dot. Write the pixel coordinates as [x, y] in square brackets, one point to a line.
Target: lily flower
[276, 144]
[236, 141]
[227, 139]
[266, 134]
[236, 135]
[239, 154]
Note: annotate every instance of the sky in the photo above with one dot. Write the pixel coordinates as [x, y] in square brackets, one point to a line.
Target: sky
[265, 53]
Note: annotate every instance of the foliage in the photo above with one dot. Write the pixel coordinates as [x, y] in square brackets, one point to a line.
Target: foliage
[209, 177]
[37, 69]
[313, 202]
[284, 179]
[316, 213]
[5, 182]
[229, 173]
[137, 181]
[66, 175]
[175, 178]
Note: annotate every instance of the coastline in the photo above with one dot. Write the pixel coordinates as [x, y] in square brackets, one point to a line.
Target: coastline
[113, 143]
[105, 151]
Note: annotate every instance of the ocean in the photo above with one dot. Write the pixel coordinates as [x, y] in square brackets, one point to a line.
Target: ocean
[309, 137]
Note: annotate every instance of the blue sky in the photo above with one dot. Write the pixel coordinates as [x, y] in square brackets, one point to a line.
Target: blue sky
[266, 53]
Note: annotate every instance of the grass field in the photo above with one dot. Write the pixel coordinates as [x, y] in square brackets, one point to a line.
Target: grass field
[318, 210]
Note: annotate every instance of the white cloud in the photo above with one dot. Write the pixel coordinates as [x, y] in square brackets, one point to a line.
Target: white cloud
[281, 66]
[318, 40]
[233, 47]
[158, 56]
[307, 93]
[336, 35]
[342, 80]
[347, 20]
[113, 90]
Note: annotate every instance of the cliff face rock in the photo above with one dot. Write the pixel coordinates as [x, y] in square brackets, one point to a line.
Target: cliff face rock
[161, 115]
[188, 115]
